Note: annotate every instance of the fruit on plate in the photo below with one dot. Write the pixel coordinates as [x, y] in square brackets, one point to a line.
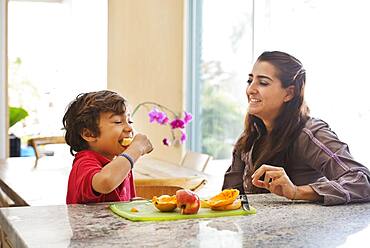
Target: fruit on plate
[134, 209]
[235, 205]
[165, 203]
[226, 197]
[187, 201]
[126, 141]
[204, 203]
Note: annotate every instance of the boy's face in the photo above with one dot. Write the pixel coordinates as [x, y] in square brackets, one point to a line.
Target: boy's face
[113, 129]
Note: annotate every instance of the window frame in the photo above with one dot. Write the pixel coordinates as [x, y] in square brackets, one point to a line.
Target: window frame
[193, 57]
[193, 60]
[4, 140]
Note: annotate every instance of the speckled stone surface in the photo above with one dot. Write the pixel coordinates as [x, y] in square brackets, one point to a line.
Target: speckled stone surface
[278, 223]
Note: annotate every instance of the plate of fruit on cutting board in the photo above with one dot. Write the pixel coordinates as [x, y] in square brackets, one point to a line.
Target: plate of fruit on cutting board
[184, 205]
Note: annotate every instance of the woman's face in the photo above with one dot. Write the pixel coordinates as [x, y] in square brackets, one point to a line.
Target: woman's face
[265, 93]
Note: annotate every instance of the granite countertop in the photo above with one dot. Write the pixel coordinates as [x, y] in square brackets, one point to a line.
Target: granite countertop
[278, 223]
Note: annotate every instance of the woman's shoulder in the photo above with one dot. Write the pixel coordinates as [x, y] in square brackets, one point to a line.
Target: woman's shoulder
[316, 131]
[315, 124]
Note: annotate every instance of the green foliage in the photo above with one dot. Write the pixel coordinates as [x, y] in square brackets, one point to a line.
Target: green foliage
[21, 92]
[16, 115]
[222, 122]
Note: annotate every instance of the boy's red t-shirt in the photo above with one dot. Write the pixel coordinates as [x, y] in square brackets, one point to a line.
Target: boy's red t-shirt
[85, 165]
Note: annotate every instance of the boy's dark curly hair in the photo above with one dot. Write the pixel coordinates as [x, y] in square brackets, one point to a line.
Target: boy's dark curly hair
[84, 112]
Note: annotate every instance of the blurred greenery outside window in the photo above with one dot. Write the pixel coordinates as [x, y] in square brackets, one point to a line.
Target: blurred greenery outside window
[221, 53]
[226, 38]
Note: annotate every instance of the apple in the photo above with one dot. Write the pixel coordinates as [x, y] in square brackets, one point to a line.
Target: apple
[187, 201]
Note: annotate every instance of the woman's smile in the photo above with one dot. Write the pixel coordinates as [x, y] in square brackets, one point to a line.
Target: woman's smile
[254, 101]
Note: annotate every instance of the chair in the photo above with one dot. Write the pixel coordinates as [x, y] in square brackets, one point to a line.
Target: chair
[195, 160]
[147, 192]
[35, 142]
[149, 187]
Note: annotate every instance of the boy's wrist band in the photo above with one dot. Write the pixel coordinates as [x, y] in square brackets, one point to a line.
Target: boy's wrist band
[129, 158]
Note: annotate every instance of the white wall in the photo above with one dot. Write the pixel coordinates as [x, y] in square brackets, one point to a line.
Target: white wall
[145, 61]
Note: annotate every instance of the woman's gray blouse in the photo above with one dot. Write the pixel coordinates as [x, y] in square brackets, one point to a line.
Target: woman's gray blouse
[318, 159]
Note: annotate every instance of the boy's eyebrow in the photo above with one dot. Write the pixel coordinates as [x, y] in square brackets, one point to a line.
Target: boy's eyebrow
[113, 115]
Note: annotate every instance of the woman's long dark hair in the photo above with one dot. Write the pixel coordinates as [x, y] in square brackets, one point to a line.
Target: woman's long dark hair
[289, 122]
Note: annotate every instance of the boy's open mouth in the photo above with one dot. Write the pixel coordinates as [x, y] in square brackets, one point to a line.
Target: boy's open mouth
[126, 141]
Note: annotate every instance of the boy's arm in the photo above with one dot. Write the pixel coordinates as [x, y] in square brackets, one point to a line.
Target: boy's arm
[113, 173]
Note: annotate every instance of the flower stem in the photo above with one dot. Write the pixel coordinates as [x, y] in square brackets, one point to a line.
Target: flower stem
[155, 104]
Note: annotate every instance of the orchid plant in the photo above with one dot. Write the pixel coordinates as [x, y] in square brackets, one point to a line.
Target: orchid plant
[158, 114]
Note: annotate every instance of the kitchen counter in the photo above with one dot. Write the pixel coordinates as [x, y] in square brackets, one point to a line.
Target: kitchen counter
[24, 182]
[278, 223]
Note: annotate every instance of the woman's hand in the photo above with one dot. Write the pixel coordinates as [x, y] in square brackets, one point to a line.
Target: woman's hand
[276, 181]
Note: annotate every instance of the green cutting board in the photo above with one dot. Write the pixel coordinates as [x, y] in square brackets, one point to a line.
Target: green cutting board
[147, 212]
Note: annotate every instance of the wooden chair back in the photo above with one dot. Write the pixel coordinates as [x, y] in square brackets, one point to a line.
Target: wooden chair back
[36, 142]
[195, 160]
[148, 191]
[149, 187]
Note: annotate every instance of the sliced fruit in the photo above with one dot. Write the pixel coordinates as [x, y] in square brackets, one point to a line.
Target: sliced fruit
[126, 141]
[165, 203]
[235, 205]
[134, 210]
[204, 204]
[226, 197]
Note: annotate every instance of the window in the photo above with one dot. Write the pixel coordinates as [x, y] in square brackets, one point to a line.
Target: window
[222, 41]
[329, 38]
[57, 49]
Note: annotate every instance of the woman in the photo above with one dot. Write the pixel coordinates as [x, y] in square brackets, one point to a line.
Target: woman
[285, 151]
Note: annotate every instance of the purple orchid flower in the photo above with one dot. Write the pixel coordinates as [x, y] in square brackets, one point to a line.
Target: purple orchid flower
[164, 121]
[177, 123]
[158, 116]
[165, 142]
[153, 115]
[188, 117]
[183, 137]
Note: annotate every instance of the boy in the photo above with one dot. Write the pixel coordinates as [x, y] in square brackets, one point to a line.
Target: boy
[97, 128]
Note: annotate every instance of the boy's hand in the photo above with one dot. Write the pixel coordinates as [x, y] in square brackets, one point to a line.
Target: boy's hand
[142, 143]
